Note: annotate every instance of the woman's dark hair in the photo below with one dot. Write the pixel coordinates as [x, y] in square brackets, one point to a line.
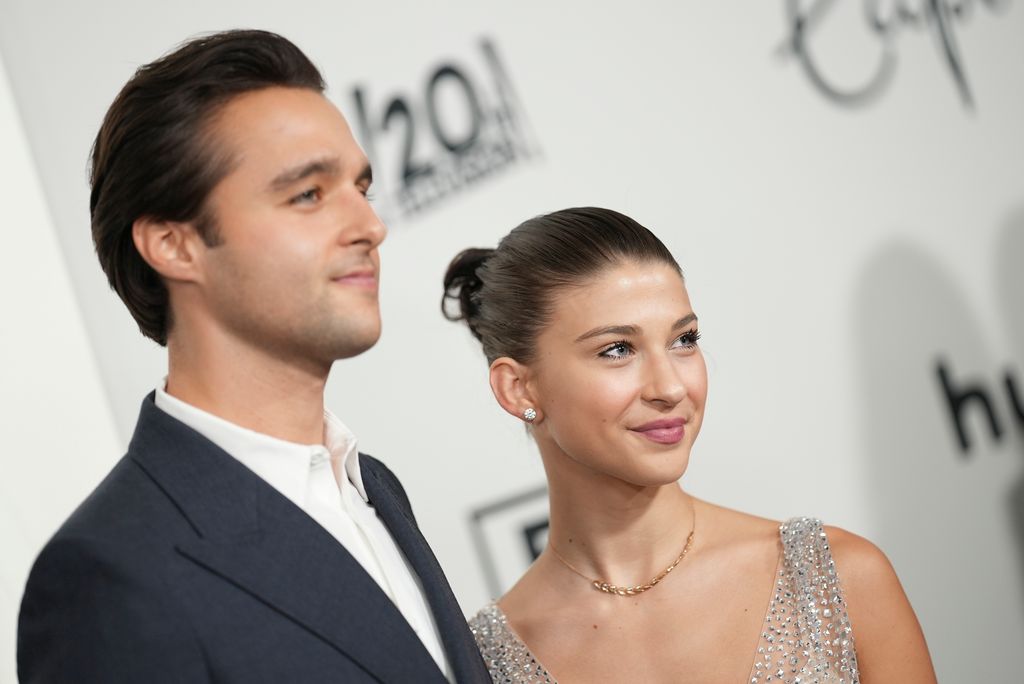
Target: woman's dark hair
[505, 295]
[154, 155]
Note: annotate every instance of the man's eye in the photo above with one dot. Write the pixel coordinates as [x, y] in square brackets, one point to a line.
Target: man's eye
[308, 197]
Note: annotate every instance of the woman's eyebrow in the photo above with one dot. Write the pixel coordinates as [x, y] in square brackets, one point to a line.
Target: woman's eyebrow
[684, 321]
[631, 330]
[610, 330]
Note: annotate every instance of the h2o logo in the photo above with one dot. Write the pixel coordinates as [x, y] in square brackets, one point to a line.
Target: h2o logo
[461, 126]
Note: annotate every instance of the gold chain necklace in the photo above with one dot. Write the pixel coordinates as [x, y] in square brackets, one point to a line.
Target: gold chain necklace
[609, 588]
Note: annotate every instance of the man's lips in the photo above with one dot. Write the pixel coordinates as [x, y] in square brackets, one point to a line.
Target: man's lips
[663, 431]
[362, 278]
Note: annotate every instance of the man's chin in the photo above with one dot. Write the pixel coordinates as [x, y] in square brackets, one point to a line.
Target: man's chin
[355, 344]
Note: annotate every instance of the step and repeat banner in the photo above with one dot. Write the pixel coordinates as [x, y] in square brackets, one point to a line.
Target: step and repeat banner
[842, 182]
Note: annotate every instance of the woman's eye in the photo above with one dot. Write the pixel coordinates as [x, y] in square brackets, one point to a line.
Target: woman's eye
[619, 350]
[688, 340]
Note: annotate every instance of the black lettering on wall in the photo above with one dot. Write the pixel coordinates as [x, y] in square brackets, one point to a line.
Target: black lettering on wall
[437, 158]
[959, 397]
[1015, 398]
[886, 23]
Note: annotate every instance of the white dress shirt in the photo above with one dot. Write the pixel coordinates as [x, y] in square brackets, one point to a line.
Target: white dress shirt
[326, 483]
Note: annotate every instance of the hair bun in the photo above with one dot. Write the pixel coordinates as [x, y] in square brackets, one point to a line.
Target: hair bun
[462, 283]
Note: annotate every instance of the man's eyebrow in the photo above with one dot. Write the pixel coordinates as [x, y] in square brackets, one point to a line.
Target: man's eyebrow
[284, 179]
[631, 330]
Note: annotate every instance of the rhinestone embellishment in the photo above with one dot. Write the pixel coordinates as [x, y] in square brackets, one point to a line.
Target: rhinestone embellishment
[507, 658]
[806, 636]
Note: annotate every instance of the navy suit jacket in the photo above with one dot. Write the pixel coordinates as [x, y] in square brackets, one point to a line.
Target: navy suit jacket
[185, 566]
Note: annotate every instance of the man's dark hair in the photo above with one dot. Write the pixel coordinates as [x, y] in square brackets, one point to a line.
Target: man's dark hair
[154, 156]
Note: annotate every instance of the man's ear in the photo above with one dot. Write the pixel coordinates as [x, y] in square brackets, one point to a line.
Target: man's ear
[171, 248]
[511, 387]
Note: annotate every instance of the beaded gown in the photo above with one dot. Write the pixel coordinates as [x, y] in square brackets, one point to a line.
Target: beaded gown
[806, 636]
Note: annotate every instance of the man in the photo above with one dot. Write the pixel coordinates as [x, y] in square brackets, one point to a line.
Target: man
[242, 538]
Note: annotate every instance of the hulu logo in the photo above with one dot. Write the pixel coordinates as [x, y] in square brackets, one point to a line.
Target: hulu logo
[964, 397]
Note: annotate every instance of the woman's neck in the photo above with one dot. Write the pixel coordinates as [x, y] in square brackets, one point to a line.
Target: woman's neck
[615, 531]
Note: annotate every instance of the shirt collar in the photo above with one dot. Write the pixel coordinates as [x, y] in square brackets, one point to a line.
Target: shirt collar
[285, 465]
[342, 443]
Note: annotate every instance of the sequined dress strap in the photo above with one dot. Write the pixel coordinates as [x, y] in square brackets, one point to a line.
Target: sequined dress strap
[508, 659]
[807, 637]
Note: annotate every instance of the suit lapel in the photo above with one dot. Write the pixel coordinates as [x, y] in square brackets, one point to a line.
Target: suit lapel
[258, 540]
[462, 651]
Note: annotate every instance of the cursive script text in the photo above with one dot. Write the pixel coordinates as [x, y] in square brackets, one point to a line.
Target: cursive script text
[887, 21]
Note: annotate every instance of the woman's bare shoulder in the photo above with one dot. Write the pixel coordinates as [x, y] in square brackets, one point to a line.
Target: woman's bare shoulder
[888, 636]
[863, 567]
[731, 538]
[731, 526]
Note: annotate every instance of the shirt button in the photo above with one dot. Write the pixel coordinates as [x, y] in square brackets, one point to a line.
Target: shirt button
[318, 457]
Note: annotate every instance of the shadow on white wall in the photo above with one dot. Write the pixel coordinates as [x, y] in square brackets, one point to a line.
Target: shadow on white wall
[948, 516]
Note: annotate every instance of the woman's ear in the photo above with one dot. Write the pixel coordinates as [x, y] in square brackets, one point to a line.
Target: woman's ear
[169, 247]
[511, 387]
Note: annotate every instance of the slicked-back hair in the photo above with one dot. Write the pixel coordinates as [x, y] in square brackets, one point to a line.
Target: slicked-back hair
[155, 157]
[506, 295]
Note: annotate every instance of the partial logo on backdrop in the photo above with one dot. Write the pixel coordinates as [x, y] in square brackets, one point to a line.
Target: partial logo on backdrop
[884, 25]
[993, 401]
[991, 406]
[458, 126]
[508, 535]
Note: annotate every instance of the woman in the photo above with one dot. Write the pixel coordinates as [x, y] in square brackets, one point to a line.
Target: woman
[592, 342]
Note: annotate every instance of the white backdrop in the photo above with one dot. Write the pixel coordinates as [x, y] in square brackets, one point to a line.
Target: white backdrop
[836, 248]
[52, 459]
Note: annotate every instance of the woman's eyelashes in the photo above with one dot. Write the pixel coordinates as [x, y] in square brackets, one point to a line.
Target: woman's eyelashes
[617, 350]
[622, 349]
[688, 340]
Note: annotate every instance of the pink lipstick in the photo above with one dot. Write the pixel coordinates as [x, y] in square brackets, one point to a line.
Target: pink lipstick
[664, 431]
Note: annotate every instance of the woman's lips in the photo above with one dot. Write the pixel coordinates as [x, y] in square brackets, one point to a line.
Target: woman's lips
[665, 431]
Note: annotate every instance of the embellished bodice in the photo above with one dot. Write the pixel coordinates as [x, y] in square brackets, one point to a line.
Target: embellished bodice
[806, 636]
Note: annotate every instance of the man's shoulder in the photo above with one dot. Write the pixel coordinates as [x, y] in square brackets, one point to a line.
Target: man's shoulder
[103, 573]
[130, 508]
[125, 509]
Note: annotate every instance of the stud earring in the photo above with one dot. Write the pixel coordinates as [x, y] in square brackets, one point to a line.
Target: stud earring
[529, 415]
